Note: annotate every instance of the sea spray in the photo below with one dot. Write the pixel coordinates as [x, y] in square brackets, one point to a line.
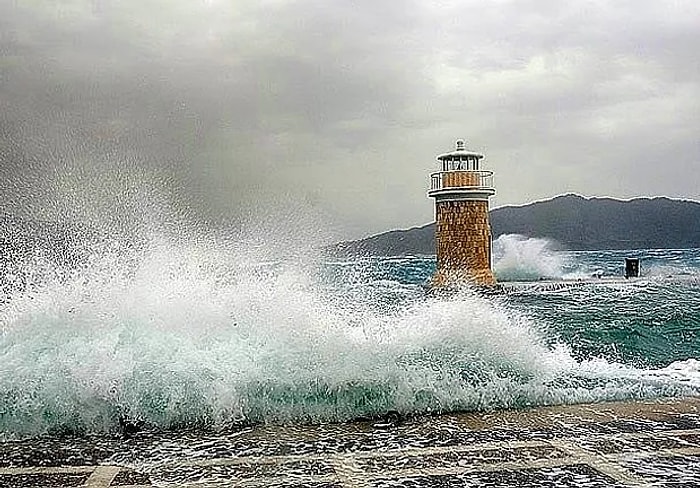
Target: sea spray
[520, 258]
[204, 335]
[181, 336]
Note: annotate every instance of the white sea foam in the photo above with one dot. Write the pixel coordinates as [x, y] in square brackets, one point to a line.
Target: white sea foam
[201, 335]
[521, 258]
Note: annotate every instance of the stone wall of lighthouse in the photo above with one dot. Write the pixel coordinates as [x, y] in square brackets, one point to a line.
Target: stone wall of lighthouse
[463, 242]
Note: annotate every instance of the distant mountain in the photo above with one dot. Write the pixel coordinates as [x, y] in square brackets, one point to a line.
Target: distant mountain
[576, 222]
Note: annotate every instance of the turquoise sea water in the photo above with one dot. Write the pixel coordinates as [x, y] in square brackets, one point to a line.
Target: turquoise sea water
[181, 336]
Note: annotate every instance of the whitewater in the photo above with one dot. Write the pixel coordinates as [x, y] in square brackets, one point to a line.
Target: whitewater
[210, 335]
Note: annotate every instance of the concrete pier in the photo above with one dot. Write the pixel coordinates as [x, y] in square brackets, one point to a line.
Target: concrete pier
[642, 443]
[556, 285]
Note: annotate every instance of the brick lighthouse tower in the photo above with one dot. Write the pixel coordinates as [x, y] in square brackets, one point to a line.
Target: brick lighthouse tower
[462, 232]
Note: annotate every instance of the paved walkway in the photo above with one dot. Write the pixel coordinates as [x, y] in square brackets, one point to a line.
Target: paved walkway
[649, 443]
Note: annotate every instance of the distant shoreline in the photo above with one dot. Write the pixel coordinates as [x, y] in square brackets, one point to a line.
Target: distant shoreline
[577, 223]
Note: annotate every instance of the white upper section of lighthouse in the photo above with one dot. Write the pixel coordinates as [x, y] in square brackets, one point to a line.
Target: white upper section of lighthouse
[459, 152]
[460, 176]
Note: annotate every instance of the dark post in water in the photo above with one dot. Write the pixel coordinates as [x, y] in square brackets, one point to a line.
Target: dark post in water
[631, 267]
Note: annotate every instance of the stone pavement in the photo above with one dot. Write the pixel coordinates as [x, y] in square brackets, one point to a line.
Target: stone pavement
[644, 443]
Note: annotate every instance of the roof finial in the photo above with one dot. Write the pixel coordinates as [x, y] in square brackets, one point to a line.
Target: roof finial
[459, 145]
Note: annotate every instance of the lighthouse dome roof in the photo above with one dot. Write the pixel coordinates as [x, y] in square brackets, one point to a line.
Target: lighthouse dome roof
[460, 150]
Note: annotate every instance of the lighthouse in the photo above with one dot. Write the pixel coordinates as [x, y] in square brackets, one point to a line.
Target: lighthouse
[461, 190]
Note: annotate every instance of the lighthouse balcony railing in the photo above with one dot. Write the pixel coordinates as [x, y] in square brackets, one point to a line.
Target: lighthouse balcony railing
[461, 179]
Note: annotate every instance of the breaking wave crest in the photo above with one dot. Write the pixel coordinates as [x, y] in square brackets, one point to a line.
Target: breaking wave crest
[194, 336]
[521, 258]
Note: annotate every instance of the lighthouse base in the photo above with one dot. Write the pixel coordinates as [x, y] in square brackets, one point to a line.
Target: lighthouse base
[454, 278]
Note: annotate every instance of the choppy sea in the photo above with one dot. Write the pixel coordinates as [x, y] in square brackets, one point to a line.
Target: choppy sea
[181, 336]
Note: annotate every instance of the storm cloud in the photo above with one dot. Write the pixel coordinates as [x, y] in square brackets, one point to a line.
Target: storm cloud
[209, 107]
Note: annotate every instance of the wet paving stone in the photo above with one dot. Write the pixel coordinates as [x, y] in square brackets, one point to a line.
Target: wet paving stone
[654, 444]
[130, 477]
[59, 451]
[564, 476]
[673, 471]
[43, 480]
[628, 444]
[284, 469]
[645, 425]
[244, 471]
[307, 485]
[692, 439]
[464, 459]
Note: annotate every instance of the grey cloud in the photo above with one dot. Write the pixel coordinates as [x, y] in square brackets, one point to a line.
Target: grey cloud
[341, 106]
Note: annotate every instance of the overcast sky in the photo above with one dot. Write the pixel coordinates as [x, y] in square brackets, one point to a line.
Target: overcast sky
[340, 107]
